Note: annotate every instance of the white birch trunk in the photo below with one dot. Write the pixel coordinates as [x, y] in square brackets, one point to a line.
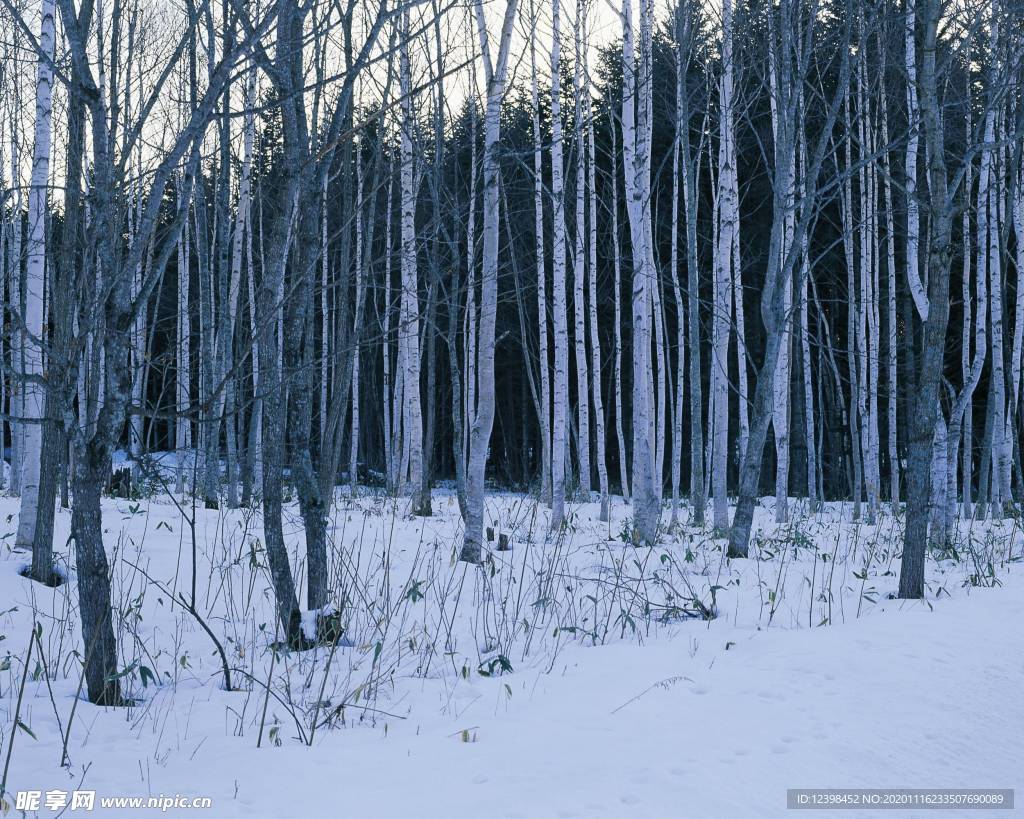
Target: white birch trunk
[469, 367]
[805, 351]
[781, 380]
[805, 363]
[989, 194]
[138, 347]
[560, 424]
[677, 414]
[15, 293]
[255, 440]
[968, 422]
[234, 289]
[867, 396]
[183, 355]
[325, 312]
[853, 315]
[736, 283]
[483, 413]
[1017, 206]
[724, 284]
[617, 265]
[917, 287]
[996, 247]
[541, 265]
[409, 322]
[636, 101]
[579, 272]
[357, 322]
[595, 338]
[390, 420]
[938, 480]
[960, 414]
[661, 391]
[34, 316]
[891, 348]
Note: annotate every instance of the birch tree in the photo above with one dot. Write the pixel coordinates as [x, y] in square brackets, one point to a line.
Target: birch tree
[677, 413]
[540, 258]
[725, 273]
[409, 321]
[560, 420]
[579, 266]
[617, 301]
[33, 316]
[183, 353]
[595, 339]
[636, 110]
[691, 176]
[495, 71]
[917, 287]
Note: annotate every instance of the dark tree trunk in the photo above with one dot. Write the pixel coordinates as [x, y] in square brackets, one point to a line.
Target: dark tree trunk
[58, 399]
[298, 367]
[924, 405]
[101, 679]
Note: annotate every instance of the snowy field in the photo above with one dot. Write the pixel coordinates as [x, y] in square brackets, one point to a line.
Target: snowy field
[577, 676]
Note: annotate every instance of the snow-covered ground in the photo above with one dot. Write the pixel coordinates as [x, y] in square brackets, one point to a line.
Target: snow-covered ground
[576, 676]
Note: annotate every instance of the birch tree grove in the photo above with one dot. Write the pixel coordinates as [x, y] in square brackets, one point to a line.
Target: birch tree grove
[793, 49]
[282, 261]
